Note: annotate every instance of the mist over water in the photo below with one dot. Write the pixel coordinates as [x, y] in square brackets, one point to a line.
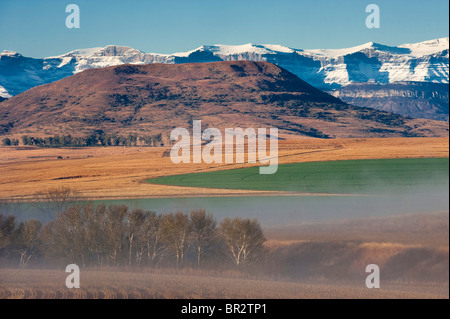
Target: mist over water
[351, 189]
[334, 260]
[285, 210]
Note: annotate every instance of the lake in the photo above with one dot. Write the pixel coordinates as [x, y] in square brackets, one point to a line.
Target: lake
[282, 210]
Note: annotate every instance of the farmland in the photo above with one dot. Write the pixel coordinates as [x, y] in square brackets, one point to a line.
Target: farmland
[121, 172]
[340, 177]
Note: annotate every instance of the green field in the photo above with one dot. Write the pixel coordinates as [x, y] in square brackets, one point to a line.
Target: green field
[382, 176]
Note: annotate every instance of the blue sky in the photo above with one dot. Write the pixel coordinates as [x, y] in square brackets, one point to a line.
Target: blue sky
[37, 28]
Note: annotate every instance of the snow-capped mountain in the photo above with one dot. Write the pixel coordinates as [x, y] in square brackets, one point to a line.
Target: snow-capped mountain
[324, 68]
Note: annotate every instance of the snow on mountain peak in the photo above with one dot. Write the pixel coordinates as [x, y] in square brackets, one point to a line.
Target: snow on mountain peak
[116, 50]
[9, 53]
[84, 52]
[427, 47]
[426, 61]
[334, 53]
[227, 50]
[4, 94]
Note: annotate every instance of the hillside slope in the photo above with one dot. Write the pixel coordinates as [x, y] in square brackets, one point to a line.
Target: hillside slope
[155, 98]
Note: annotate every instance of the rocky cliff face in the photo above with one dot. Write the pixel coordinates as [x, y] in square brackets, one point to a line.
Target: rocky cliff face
[413, 99]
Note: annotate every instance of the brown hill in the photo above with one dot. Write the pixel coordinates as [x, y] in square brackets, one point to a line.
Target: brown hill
[154, 98]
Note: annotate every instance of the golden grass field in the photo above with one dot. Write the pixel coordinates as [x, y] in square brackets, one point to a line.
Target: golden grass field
[121, 172]
[95, 284]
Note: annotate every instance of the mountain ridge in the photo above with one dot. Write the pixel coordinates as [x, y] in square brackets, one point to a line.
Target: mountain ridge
[323, 68]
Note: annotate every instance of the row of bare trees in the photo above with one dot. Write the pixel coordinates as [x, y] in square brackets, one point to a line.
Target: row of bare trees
[100, 235]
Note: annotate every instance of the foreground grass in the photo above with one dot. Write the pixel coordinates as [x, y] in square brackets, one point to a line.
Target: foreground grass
[345, 177]
[95, 284]
[314, 260]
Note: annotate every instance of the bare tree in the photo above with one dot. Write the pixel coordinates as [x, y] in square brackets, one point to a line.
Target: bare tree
[153, 238]
[203, 231]
[95, 233]
[114, 229]
[111, 235]
[135, 234]
[175, 233]
[56, 200]
[243, 237]
[7, 228]
[67, 235]
[26, 240]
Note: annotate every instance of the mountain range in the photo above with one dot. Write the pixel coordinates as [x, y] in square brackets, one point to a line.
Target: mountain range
[151, 99]
[325, 69]
[409, 79]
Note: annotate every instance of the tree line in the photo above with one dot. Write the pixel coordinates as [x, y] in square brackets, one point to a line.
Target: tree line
[115, 235]
[97, 138]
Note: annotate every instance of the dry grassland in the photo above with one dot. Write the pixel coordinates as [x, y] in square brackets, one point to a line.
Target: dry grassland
[121, 172]
[95, 284]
